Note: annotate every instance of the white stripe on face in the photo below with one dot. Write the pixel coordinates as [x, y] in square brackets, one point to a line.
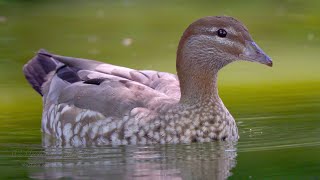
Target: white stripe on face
[225, 40]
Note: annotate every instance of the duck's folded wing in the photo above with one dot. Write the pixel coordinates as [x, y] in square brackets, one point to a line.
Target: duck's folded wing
[159, 81]
[108, 89]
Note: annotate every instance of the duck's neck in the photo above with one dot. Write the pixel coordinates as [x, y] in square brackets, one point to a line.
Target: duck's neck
[199, 87]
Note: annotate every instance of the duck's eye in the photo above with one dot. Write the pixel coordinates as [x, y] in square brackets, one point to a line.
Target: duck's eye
[222, 33]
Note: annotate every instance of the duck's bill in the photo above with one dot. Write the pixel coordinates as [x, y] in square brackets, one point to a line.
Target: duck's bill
[254, 53]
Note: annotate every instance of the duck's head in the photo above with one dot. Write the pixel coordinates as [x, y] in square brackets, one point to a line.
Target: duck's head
[215, 41]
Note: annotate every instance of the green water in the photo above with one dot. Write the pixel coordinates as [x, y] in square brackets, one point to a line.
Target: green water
[276, 109]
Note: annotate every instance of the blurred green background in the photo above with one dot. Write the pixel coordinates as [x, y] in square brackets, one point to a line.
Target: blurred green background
[145, 35]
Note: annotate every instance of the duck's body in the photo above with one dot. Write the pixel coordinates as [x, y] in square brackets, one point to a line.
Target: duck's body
[91, 103]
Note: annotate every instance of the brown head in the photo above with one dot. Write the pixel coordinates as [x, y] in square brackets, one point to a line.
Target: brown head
[209, 44]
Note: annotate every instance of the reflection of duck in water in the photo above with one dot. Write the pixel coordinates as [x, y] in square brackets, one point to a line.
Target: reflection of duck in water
[195, 161]
[92, 103]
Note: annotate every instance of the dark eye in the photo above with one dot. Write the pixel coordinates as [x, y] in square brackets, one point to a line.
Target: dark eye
[222, 33]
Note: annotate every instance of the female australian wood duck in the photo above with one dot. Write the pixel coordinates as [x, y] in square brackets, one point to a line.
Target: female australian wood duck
[92, 103]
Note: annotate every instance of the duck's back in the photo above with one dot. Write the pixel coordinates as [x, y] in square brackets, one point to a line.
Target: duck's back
[83, 99]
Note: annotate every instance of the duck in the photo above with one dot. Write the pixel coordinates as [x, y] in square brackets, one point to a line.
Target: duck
[87, 102]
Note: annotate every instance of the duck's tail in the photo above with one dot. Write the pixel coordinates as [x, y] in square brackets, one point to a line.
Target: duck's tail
[37, 69]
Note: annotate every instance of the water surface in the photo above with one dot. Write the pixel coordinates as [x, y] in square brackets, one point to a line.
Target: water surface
[282, 141]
